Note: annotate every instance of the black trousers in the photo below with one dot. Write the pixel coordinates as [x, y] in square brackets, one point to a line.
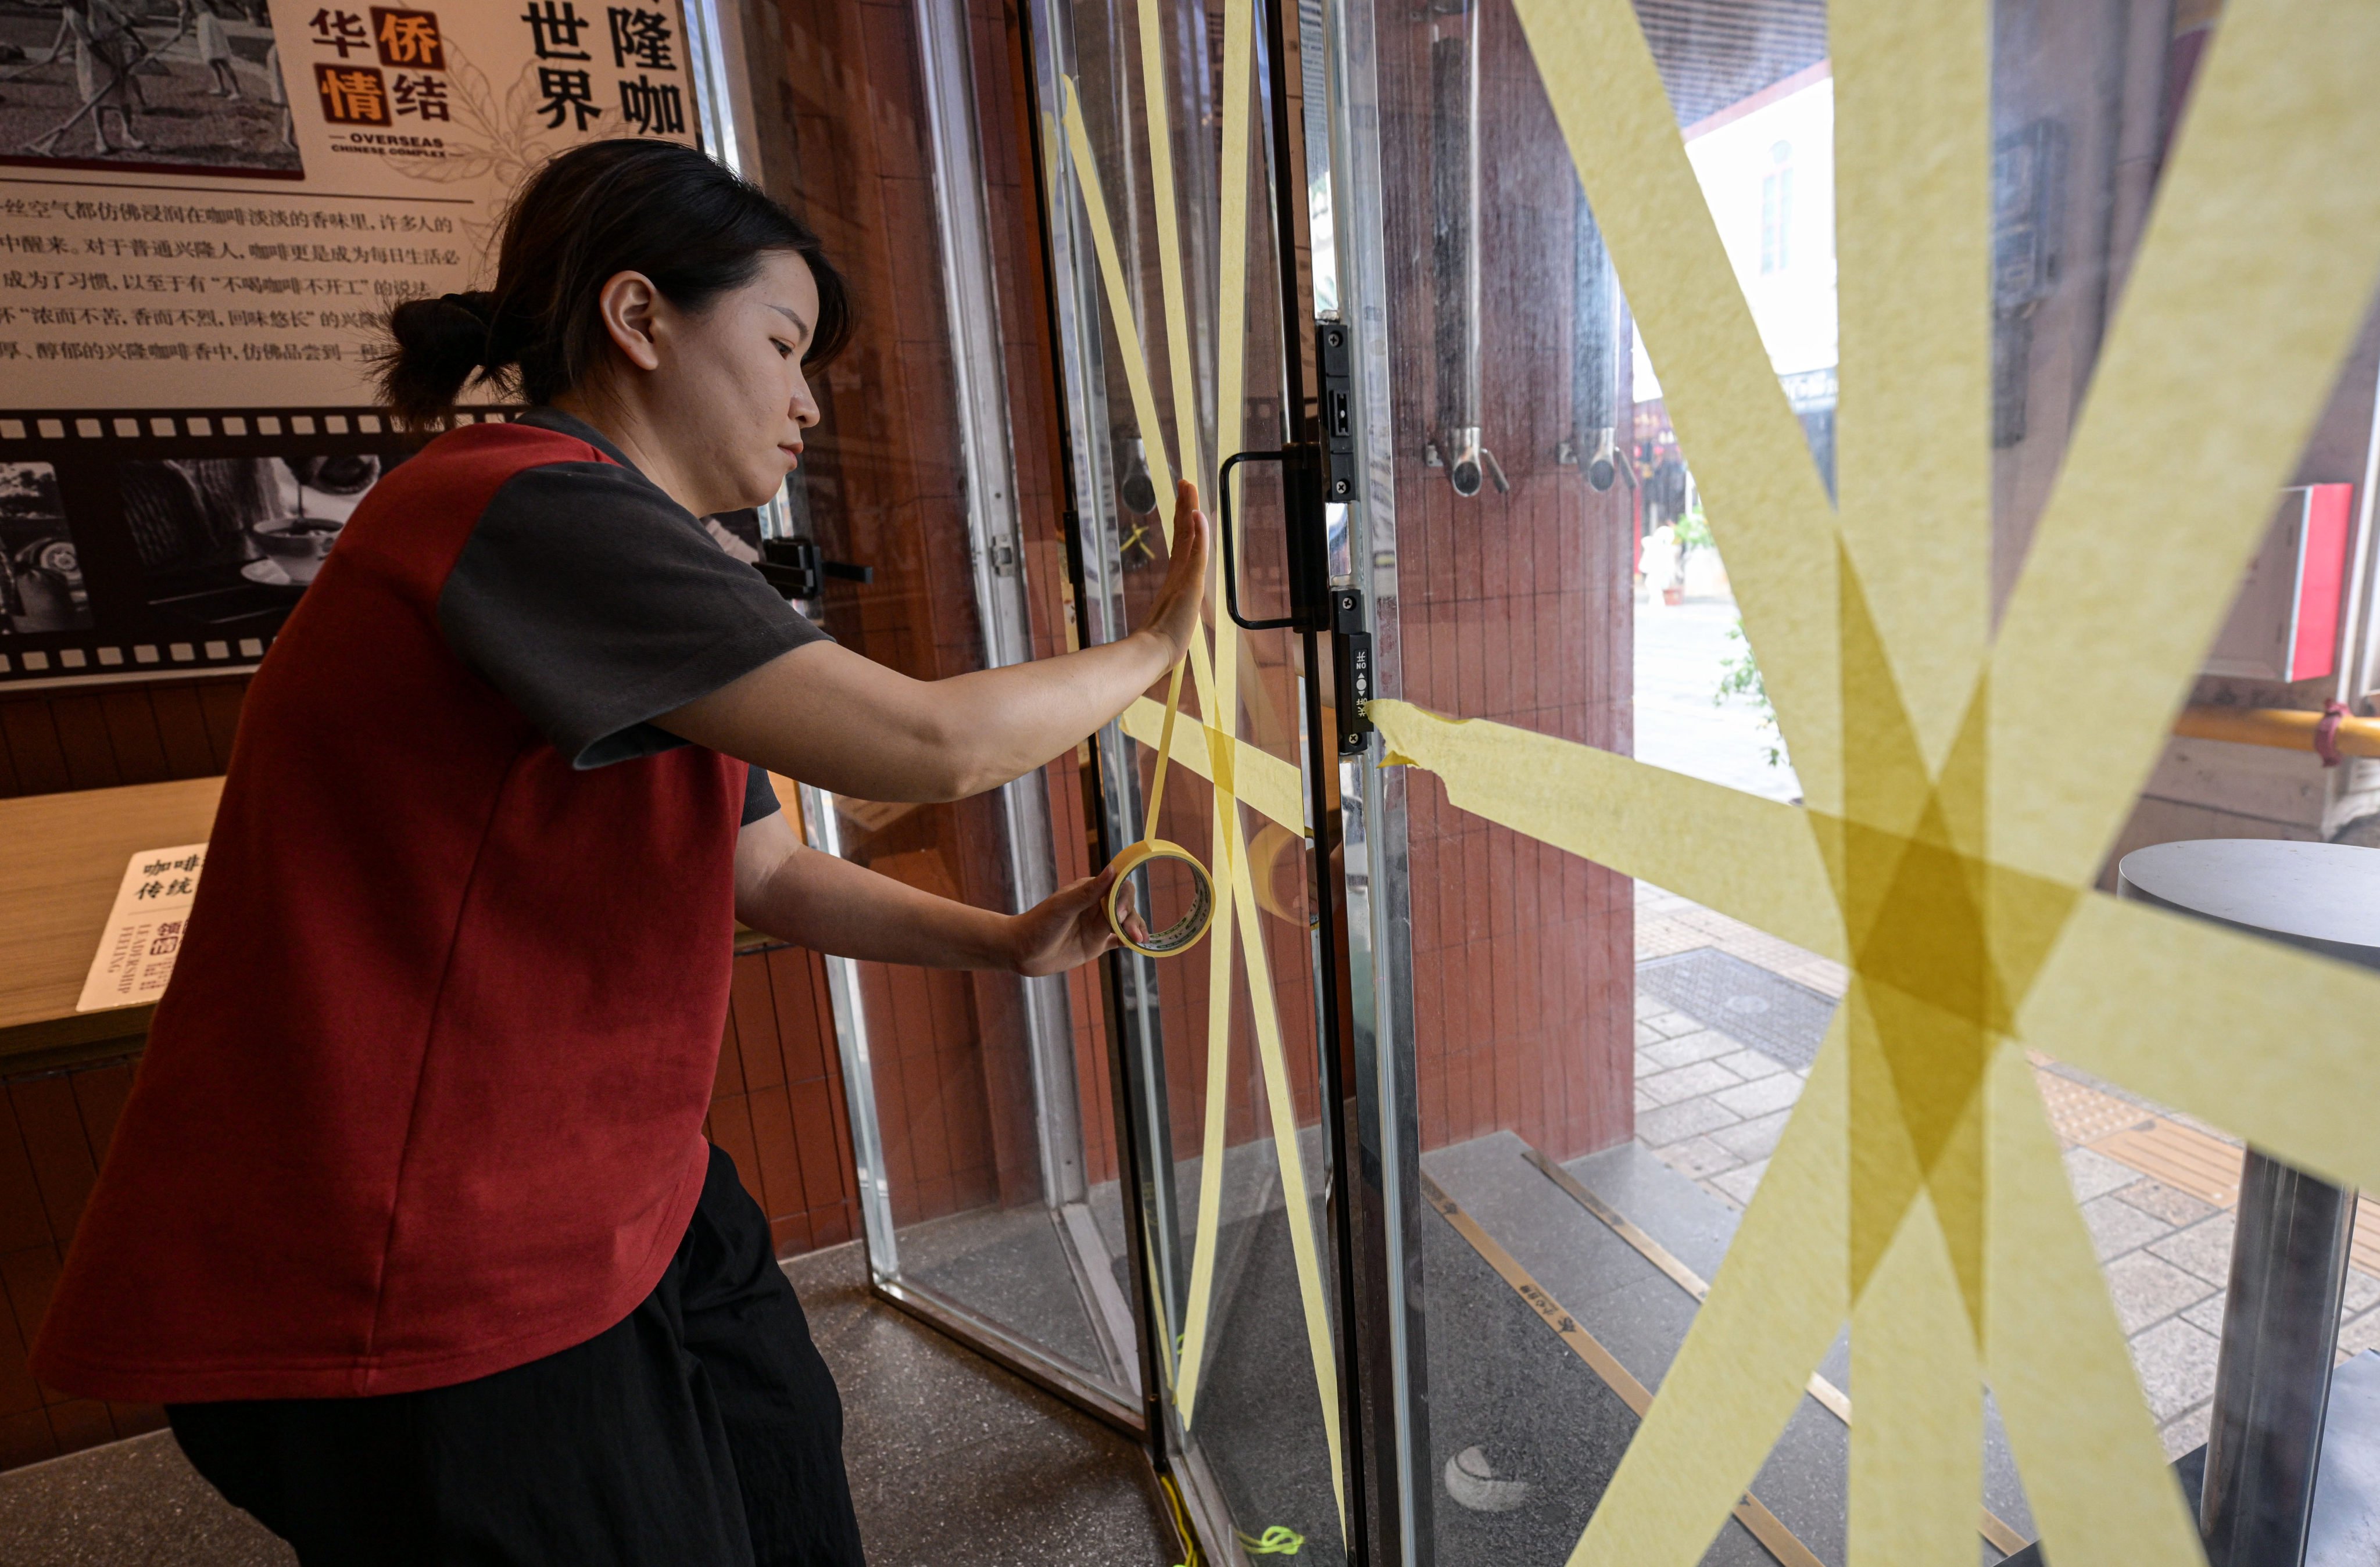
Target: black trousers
[704, 1431]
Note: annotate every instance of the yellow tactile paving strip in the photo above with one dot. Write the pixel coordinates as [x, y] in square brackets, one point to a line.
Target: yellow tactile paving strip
[2081, 1115]
[2157, 1146]
[2164, 1149]
[2205, 1168]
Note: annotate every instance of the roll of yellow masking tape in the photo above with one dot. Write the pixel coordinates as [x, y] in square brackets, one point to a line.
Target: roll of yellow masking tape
[1185, 932]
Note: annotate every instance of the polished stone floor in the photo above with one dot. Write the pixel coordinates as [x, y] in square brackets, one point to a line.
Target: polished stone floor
[951, 1458]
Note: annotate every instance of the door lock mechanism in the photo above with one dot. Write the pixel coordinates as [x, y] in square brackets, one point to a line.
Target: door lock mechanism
[1351, 669]
[1316, 474]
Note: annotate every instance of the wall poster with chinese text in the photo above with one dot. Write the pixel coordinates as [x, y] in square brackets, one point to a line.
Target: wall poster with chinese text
[207, 208]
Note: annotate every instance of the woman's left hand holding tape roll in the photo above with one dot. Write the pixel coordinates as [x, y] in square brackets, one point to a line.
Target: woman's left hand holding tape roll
[1068, 928]
[1078, 921]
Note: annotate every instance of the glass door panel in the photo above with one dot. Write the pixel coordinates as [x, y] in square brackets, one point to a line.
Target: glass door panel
[1155, 140]
[1720, 657]
[1745, 947]
[979, 1116]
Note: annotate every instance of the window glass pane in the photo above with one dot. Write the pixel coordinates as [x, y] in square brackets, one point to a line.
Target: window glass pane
[1888, 931]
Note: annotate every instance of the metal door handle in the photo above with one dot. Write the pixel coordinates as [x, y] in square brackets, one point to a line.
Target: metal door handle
[1231, 563]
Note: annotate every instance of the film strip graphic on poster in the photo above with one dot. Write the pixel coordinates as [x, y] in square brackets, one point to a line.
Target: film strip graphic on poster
[207, 208]
[143, 543]
[136, 543]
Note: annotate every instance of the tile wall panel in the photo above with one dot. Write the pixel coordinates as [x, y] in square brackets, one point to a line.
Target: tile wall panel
[1516, 607]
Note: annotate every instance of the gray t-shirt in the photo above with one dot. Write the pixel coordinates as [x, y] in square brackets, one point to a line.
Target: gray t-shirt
[596, 604]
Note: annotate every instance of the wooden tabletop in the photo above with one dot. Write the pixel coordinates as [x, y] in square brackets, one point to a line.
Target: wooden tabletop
[63, 858]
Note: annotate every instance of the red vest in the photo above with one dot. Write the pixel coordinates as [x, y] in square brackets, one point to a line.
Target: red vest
[424, 1099]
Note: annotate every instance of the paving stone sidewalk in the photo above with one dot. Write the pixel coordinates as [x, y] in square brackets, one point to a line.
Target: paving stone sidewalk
[1713, 1108]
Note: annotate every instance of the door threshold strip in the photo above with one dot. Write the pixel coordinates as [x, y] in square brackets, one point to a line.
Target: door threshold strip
[1991, 1525]
[1763, 1526]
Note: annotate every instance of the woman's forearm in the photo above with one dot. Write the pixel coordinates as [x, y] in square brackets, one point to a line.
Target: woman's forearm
[820, 901]
[1002, 723]
[852, 726]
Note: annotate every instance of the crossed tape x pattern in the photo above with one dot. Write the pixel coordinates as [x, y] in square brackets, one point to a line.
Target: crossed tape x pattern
[1212, 749]
[1963, 784]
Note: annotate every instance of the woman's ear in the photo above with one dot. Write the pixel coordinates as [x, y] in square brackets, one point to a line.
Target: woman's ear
[627, 304]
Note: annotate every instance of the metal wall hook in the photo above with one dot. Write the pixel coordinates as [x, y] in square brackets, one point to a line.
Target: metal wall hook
[1464, 472]
[1473, 464]
[1602, 468]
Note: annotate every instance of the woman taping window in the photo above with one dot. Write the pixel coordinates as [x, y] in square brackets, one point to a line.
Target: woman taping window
[409, 1221]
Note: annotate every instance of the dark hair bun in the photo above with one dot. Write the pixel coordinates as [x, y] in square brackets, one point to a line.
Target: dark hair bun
[440, 344]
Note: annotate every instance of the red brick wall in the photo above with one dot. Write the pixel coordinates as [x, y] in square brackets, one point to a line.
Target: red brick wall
[1516, 608]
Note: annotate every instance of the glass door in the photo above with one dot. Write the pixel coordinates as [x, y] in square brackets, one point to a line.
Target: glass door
[1792, 1150]
[1739, 518]
[1183, 274]
[980, 1119]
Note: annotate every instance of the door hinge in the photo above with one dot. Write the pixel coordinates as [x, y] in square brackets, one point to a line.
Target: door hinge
[1335, 358]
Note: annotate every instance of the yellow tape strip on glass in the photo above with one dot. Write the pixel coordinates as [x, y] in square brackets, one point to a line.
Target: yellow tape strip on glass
[1750, 462]
[1829, 1397]
[1964, 785]
[1135, 361]
[1179, 354]
[2254, 274]
[1267, 784]
[1230, 347]
[1304, 1250]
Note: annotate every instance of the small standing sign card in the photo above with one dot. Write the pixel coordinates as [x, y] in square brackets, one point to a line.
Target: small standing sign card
[144, 930]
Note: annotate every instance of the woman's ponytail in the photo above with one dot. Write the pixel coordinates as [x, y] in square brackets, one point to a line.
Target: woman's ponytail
[438, 345]
[629, 204]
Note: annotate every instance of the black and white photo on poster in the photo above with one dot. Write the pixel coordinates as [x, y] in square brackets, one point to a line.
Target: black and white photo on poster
[159, 85]
[225, 539]
[42, 586]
